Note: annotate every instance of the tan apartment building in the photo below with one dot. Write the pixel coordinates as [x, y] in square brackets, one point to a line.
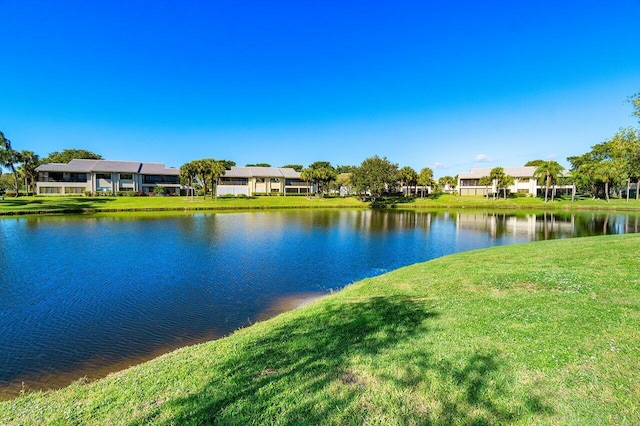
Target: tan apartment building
[251, 181]
[524, 182]
[105, 176]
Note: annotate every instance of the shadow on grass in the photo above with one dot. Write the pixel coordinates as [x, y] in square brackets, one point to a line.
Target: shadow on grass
[53, 204]
[391, 202]
[302, 373]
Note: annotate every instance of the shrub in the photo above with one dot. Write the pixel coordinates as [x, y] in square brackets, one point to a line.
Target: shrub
[159, 191]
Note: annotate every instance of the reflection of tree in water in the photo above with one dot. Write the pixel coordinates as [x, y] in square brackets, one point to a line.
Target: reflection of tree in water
[548, 225]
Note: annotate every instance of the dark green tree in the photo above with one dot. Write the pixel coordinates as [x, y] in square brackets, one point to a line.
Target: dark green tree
[322, 173]
[548, 172]
[297, 167]
[67, 155]
[9, 157]
[374, 176]
[27, 169]
[425, 178]
[408, 177]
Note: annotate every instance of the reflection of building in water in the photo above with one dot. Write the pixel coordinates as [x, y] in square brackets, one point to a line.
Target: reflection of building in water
[533, 226]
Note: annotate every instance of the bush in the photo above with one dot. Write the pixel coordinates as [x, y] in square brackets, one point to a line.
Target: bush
[130, 193]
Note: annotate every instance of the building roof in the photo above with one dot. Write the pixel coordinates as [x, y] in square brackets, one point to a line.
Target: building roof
[88, 166]
[517, 172]
[277, 172]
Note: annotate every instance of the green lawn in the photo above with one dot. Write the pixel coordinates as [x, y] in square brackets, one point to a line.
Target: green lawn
[539, 333]
[52, 204]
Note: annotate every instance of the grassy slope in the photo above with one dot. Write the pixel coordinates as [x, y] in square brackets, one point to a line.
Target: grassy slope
[68, 204]
[545, 333]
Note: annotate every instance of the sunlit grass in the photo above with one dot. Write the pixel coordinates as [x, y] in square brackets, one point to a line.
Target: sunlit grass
[55, 204]
[540, 333]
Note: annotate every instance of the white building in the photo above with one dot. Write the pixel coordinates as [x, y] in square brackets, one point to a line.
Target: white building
[524, 182]
[251, 181]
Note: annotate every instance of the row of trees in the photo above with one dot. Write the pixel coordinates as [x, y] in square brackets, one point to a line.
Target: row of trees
[610, 166]
[374, 177]
[23, 164]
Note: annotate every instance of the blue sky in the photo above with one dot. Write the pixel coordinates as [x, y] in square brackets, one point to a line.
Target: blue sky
[443, 84]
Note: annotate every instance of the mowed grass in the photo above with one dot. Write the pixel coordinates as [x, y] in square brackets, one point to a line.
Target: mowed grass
[56, 204]
[539, 333]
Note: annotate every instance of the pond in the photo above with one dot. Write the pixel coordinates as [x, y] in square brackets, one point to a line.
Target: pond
[82, 296]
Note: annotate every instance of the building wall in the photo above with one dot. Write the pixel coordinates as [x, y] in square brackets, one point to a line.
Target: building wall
[95, 183]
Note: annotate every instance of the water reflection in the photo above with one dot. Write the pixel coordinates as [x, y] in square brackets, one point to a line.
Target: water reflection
[86, 295]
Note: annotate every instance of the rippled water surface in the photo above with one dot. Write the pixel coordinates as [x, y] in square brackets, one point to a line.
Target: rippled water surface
[88, 295]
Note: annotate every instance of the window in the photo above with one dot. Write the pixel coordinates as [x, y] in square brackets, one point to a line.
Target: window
[160, 179]
[49, 190]
[74, 190]
[275, 180]
[259, 180]
[77, 177]
[103, 176]
[234, 181]
[126, 176]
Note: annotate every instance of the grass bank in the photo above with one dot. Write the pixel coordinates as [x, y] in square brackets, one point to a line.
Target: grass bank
[57, 205]
[544, 333]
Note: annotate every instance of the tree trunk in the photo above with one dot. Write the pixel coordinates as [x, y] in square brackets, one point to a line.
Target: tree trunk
[637, 188]
[628, 188]
[606, 191]
[553, 192]
[573, 192]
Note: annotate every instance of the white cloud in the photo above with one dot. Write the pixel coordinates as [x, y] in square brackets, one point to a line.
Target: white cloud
[439, 166]
[482, 158]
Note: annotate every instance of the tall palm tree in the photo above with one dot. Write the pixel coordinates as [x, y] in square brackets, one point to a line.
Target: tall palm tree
[188, 173]
[549, 171]
[216, 169]
[485, 181]
[407, 176]
[30, 160]
[425, 178]
[9, 158]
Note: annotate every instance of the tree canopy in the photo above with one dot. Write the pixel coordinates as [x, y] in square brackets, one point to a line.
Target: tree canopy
[374, 176]
[503, 180]
[321, 173]
[408, 177]
[67, 155]
[9, 157]
[609, 165]
[425, 178]
[297, 167]
[548, 172]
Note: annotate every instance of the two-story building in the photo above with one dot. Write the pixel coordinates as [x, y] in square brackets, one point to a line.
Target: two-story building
[524, 182]
[251, 181]
[105, 176]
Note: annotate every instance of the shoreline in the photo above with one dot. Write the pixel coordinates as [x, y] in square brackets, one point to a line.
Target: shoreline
[433, 333]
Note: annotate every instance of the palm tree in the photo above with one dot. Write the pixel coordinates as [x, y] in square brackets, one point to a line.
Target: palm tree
[407, 177]
[217, 169]
[30, 160]
[188, 172]
[9, 158]
[485, 181]
[425, 178]
[548, 170]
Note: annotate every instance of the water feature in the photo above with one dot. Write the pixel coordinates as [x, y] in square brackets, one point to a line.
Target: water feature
[88, 295]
